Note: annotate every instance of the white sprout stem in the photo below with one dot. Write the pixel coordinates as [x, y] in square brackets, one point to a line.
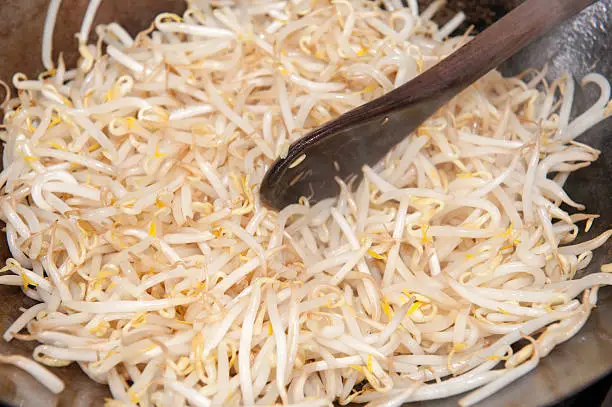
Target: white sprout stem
[39, 372]
[90, 14]
[47, 39]
[496, 385]
[244, 363]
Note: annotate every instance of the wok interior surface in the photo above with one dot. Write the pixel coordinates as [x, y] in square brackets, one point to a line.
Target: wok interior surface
[579, 46]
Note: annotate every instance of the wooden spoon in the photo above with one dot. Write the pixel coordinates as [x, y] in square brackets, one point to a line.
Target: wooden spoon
[365, 134]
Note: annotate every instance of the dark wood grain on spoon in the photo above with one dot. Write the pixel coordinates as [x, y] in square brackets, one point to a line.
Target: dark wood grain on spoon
[365, 134]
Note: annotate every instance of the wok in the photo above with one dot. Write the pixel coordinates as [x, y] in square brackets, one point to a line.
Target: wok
[579, 46]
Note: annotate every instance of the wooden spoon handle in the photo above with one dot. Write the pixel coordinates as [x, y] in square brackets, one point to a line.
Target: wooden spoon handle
[365, 134]
[486, 51]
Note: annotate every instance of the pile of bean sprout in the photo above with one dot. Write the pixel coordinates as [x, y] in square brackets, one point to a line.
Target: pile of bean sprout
[130, 196]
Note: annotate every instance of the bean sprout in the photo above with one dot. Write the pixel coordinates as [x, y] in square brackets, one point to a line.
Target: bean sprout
[130, 197]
